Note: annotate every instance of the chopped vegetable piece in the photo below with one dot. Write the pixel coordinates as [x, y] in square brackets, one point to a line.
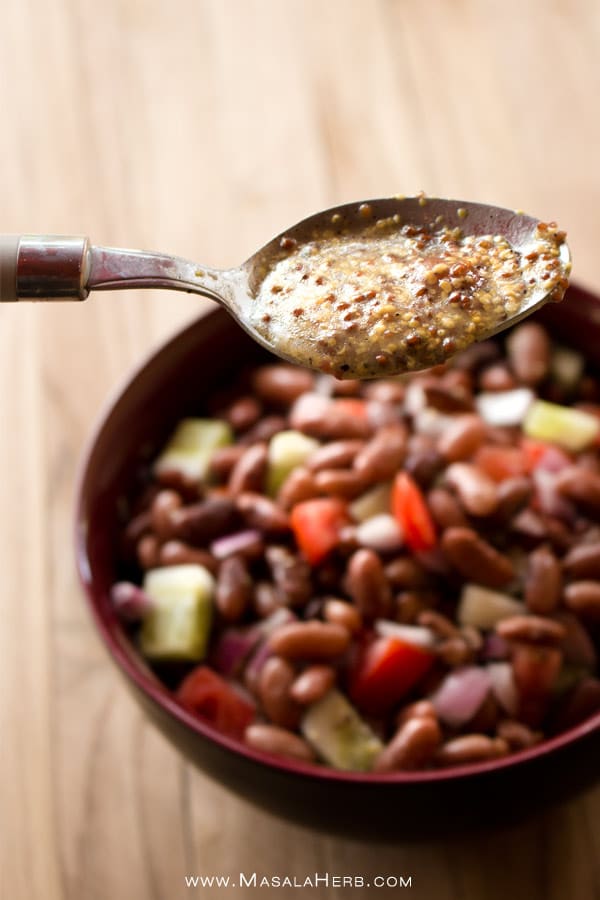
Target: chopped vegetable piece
[386, 671]
[381, 532]
[191, 447]
[503, 686]
[339, 735]
[541, 455]
[502, 408]
[372, 503]
[287, 450]
[317, 524]
[412, 634]
[460, 695]
[233, 649]
[482, 608]
[213, 699]
[178, 625]
[570, 428]
[410, 510]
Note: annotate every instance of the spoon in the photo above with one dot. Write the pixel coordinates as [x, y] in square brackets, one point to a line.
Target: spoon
[44, 267]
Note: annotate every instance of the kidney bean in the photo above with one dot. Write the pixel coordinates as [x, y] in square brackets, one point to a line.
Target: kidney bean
[408, 606]
[281, 384]
[535, 669]
[278, 741]
[581, 702]
[454, 652]
[583, 561]
[310, 640]
[323, 418]
[581, 486]
[243, 413]
[160, 512]
[248, 474]
[345, 483]
[475, 559]
[202, 522]
[176, 553]
[531, 630]
[312, 684]
[412, 747]
[513, 494]
[405, 572]
[367, 585]
[486, 717]
[266, 599]
[234, 589]
[445, 508]
[263, 431]
[338, 612]
[543, 582]
[583, 598]
[577, 646]
[135, 529]
[438, 623]
[517, 735]
[224, 459]
[420, 709]
[462, 438]
[529, 353]
[448, 399]
[297, 487]
[381, 458]
[476, 490]
[147, 551]
[261, 513]
[274, 684]
[423, 460]
[497, 378]
[471, 748]
[335, 455]
[291, 575]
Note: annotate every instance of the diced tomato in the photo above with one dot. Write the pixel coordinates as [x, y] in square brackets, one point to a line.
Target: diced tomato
[545, 456]
[385, 672]
[214, 700]
[502, 462]
[410, 510]
[317, 524]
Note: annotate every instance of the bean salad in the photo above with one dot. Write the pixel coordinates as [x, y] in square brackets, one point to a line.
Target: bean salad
[379, 576]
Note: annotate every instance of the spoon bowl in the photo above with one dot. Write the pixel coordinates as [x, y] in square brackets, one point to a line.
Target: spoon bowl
[41, 267]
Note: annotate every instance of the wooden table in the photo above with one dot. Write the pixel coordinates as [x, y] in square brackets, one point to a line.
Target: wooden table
[202, 127]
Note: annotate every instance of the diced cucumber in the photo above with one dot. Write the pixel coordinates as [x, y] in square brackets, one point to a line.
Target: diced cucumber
[287, 450]
[572, 429]
[372, 503]
[178, 626]
[339, 735]
[483, 608]
[192, 445]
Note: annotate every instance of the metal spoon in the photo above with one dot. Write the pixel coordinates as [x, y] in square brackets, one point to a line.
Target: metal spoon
[44, 267]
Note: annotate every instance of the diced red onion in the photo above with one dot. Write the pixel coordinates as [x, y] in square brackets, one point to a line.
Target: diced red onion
[380, 532]
[431, 422]
[130, 602]
[233, 648]
[502, 408]
[461, 694]
[503, 686]
[324, 385]
[382, 414]
[411, 634]
[553, 459]
[240, 542]
[414, 398]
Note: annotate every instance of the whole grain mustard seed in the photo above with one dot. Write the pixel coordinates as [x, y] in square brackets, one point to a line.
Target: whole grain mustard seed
[380, 298]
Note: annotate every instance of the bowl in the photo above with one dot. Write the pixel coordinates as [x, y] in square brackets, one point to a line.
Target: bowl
[171, 383]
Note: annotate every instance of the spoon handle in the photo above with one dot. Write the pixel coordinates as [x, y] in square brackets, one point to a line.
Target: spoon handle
[53, 267]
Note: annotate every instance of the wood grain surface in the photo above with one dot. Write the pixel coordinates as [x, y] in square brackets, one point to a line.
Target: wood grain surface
[202, 127]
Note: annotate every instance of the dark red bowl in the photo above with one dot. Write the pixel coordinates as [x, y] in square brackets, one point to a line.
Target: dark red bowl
[174, 382]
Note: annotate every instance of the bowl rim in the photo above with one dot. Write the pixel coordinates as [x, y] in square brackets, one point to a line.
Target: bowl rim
[149, 684]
